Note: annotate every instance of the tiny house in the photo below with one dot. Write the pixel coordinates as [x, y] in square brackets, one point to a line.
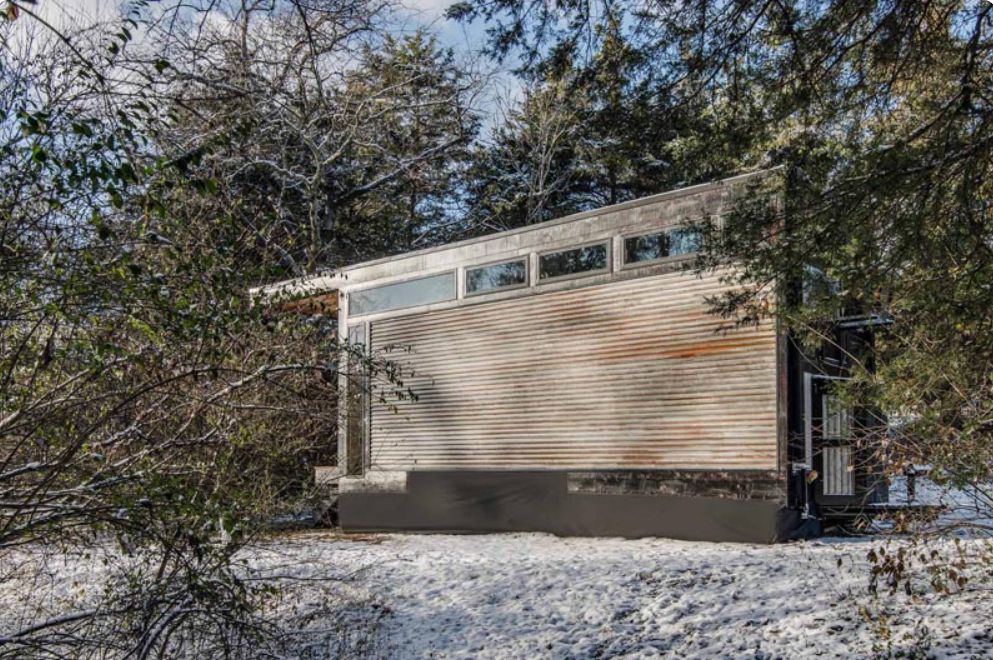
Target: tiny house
[569, 377]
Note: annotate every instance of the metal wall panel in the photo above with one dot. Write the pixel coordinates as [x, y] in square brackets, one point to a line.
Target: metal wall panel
[630, 374]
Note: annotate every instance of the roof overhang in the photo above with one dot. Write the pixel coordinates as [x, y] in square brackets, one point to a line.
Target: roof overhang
[315, 294]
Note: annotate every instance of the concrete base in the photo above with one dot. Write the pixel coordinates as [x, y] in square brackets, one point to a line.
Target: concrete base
[477, 502]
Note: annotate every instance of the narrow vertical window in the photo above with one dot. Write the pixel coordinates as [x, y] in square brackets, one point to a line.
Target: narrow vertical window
[357, 400]
[837, 418]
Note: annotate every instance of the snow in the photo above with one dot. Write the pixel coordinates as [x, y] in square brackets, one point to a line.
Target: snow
[535, 595]
[958, 509]
[540, 596]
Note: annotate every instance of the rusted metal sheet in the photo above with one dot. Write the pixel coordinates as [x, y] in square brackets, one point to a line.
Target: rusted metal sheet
[629, 374]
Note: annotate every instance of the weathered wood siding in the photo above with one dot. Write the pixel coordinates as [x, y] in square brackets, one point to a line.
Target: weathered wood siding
[627, 374]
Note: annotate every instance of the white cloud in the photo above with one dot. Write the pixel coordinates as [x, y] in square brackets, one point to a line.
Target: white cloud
[64, 14]
[428, 10]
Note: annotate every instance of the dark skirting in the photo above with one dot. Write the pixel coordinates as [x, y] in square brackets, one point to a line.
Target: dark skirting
[477, 502]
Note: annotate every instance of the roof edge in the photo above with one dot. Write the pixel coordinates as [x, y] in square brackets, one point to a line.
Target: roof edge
[332, 280]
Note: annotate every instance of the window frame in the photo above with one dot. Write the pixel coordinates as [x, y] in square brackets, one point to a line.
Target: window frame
[455, 293]
[608, 268]
[625, 264]
[510, 287]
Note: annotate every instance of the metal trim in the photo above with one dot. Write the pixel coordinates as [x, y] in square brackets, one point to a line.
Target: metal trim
[367, 408]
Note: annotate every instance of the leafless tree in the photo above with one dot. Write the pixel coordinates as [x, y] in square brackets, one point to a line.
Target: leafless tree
[314, 122]
[148, 410]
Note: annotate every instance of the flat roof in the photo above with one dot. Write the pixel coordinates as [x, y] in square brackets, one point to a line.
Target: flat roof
[331, 280]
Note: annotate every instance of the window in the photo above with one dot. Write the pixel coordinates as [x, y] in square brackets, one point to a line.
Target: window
[571, 262]
[837, 417]
[356, 400]
[645, 248]
[817, 286]
[356, 337]
[838, 471]
[421, 291]
[675, 242]
[496, 276]
[684, 240]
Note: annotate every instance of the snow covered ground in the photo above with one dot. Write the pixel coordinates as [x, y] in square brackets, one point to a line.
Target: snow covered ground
[539, 596]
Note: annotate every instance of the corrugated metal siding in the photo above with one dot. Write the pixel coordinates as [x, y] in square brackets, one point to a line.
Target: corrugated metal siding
[629, 374]
[837, 471]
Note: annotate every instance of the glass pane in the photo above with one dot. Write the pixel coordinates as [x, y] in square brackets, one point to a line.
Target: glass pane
[403, 294]
[685, 240]
[817, 285]
[356, 336]
[357, 401]
[578, 260]
[645, 248]
[495, 276]
[837, 418]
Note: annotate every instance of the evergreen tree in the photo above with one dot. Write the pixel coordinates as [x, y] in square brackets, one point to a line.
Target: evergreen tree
[526, 174]
[606, 126]
[422, 132]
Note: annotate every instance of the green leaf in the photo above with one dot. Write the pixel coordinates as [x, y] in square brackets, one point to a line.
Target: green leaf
[38, 154]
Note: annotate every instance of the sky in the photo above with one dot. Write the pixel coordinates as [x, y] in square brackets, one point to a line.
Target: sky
[63, 13]
[465, 40]
[416, 13]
